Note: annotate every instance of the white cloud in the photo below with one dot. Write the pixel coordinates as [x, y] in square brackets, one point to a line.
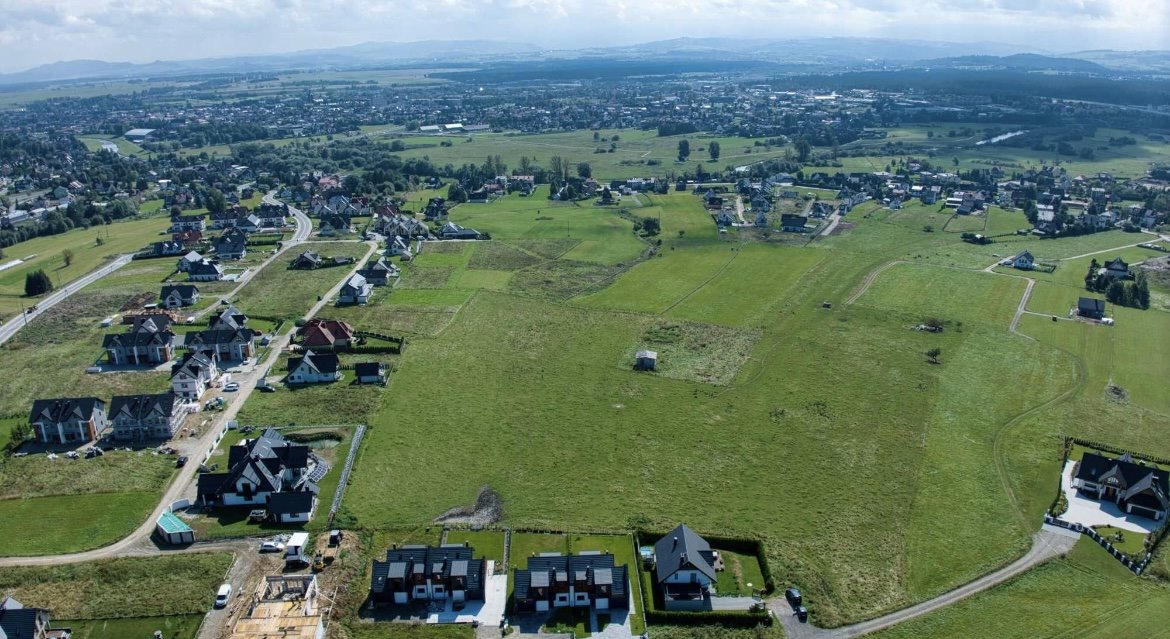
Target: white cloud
[38, 31]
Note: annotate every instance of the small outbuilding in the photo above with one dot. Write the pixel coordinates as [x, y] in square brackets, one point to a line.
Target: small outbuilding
[173, 531]
[645, 360]
[370, 372]
[1091, 308]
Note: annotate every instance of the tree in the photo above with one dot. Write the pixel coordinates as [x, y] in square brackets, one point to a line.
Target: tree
[584, 171]
[932, 355]
[215, 202]
[803, 149]
[456, 193]
[713, 150]
[684, 150]
[37, 283]
[67, 257]
[650, 225]
[97, 241]
[1141, 290]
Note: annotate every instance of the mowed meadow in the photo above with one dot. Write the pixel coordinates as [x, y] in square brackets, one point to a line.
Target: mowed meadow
[875, 477]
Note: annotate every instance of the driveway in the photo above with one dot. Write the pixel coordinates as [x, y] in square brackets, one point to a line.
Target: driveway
[1090, 512]
[488, 612]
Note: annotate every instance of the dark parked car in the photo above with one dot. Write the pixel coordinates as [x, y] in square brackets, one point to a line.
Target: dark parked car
[793, 597]
[181, 461]
[802, 614]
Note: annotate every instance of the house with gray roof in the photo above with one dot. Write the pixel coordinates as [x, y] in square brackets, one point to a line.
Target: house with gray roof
[685, 569]
[191, 376]
[429, 573]
[1138, 489]
[148, 343]
[265, 468]
[68, 420]
[379, 272]
[356, 290]
[229, 317]
[227, 344]
[313, 368]
[588, 579]
[20, 622]
[187, 260]
[178, 295]
[204, 271]
[232, 245]
[139, 418]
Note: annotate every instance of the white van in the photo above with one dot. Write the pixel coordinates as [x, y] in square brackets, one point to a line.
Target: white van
[221, 597]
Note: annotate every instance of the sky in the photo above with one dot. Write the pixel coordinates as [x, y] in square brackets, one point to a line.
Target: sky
[35, 32]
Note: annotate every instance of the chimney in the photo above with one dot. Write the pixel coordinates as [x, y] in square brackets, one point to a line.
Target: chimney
[675, 543]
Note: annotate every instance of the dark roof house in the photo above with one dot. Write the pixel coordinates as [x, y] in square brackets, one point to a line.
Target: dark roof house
[1136, 488]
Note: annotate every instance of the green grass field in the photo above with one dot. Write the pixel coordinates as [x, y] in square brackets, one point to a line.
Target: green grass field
[635, 150]
[107, 516]
[174, 626]
[844, 394]
[46, 253]
[282, 292]
[113, 588]
[1087, 595]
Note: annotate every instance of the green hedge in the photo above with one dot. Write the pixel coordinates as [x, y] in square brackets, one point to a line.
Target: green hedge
[653, 605]
[747, 546]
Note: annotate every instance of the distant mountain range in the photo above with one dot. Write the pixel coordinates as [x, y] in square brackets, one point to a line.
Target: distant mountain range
[799, 55]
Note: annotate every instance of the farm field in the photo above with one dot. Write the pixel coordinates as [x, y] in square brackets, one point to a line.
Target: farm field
[45, 253]
[638, 153]
[928, 420]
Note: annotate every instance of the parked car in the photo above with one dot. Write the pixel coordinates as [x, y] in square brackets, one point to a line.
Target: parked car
[257, 515]
[271, 546]
[231, 387]
[223, 595]
[801, 614]
[181, 461]
[793, 597]
[267, 389]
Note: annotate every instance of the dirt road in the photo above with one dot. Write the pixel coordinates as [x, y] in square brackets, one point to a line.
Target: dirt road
[1047, 544]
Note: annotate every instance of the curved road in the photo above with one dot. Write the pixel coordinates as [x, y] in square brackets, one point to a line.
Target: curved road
[1048, 543]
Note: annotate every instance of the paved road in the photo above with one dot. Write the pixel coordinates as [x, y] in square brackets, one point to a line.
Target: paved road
[1046, 544]
[132, 544]
[60, 295]
[304, 227]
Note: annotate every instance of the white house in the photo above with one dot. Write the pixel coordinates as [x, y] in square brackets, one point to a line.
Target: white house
[1024, 261]
[193, 374]
[313, 368]
[259, 470]
[178, 295]
[356, 290]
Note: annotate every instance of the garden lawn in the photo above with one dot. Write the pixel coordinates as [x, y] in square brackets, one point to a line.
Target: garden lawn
[487, 543]
[741, 575]
[342, 402]
[525, 545]
[180, 584]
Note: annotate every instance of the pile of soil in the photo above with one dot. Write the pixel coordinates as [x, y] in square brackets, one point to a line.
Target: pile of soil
[488, 509]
